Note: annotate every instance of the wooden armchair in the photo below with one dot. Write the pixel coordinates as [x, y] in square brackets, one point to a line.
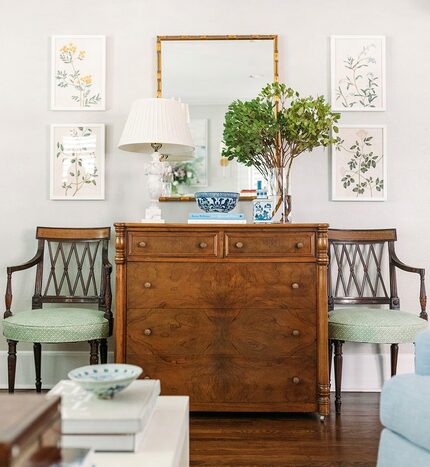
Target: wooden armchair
[74, 257]
[356, 279]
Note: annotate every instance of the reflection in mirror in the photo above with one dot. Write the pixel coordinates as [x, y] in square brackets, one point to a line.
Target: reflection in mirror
[208, 73]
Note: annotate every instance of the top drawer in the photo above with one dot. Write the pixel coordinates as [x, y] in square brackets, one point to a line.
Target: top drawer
[173, 244]
[269, 244]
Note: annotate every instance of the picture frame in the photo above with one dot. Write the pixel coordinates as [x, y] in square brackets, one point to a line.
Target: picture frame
[358, 81]
[78, 72]
[77, 161]
[359, 163]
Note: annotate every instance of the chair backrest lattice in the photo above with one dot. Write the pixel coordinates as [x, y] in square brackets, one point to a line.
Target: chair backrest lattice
[72, 269]
[359, 267]
[72, 262]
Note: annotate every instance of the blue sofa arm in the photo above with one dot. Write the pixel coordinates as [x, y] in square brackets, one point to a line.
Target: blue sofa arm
[422, 353]
[405, 413]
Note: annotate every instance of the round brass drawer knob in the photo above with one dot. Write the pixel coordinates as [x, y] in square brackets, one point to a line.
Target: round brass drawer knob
[147, 332]
[147, 285]
[203, 245]
[295, 332]
[294, 285]
[142, 244]
[296, 380]
[239, 245]
[146, 377]
[299, 245]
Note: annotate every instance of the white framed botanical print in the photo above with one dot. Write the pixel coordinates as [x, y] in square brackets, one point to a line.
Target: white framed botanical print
[358, 73]
[77, 165]
[78, 73]
[359, 163]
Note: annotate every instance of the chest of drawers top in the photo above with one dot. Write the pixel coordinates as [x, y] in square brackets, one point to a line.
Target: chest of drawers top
[219, 242]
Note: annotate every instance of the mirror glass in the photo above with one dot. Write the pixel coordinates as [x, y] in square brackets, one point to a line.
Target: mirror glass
[208, 74]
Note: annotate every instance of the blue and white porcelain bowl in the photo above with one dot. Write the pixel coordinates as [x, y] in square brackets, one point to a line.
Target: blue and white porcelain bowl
[216, 201]
[105, 380]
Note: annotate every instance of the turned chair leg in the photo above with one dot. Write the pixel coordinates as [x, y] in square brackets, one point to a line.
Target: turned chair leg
[37, 351]
[11, 364]
[394, 353]
[338, 374]
[330, 358]
[103, 350]
[94, 352]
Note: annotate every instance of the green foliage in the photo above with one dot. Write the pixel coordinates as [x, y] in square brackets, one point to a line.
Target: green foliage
[184, 173]
[277, 126]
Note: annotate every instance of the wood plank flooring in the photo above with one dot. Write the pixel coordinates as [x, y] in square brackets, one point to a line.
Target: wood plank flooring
[289, 440]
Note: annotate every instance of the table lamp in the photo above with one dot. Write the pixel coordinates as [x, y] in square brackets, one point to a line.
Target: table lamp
[158, 127]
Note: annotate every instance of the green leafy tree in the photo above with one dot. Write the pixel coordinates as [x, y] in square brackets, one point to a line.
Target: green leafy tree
[277, 126]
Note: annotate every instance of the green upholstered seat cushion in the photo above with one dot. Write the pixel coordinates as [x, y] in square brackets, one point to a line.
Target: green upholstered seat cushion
[373, 325]
[53, 325]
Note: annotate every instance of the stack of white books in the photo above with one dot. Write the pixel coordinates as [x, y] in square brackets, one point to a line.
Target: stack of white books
[116, 424]
[216, 218]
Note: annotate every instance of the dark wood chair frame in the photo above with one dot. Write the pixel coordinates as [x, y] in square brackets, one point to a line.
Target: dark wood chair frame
[340, 243]
[103, 299]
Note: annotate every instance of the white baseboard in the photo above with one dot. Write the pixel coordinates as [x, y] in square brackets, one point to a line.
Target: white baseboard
[362, 372]
[55, 366]
[367, 372]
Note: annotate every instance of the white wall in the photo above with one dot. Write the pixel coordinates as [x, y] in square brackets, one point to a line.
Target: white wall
[304, 27]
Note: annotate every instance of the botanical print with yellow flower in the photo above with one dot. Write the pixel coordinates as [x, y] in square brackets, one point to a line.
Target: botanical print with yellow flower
[79, 73]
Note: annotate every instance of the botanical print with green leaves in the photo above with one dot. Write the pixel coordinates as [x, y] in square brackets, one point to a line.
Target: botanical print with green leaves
[79, 168]
[73, 77]
[359, 86]
[360, 177]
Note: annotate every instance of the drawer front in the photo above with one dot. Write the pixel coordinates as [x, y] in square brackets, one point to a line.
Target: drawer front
[269, 244]
[268, 333]
[173, 244]
[220, 379]
[221, 285]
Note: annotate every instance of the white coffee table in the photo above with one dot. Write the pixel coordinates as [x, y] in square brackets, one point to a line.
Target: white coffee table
[166, 439]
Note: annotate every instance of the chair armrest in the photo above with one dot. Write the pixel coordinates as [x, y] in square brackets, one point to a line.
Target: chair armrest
[421, 271]
[422, 353]
[38, 257]
[404, 267]
[28, 264]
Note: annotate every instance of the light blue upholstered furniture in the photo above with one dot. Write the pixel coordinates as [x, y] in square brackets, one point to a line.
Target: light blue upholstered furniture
[357, 279]
[74, 262]
[405, 413]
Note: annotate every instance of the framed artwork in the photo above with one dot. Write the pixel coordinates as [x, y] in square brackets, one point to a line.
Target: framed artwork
[199, 134]
[358, 73]
[78, 73]
[77, 162]
[359, 164]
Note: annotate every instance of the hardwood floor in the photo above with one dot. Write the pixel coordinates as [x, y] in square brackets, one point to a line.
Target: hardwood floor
[289, 440]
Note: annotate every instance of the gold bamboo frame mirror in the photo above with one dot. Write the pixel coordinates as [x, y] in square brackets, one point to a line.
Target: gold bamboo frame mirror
[208, 73]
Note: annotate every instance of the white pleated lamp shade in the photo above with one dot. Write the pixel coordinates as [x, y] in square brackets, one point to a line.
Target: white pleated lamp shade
[157, 121]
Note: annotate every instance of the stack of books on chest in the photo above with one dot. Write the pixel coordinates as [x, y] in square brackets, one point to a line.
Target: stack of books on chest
[216, 218]
[117, 424]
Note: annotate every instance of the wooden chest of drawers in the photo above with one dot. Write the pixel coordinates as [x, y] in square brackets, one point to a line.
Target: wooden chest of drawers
[233, 316]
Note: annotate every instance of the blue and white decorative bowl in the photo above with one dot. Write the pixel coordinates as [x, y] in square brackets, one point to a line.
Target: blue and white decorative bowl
[216, 201]
[105, 380]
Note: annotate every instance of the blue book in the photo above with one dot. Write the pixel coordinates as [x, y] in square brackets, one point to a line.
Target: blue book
[216, 215]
